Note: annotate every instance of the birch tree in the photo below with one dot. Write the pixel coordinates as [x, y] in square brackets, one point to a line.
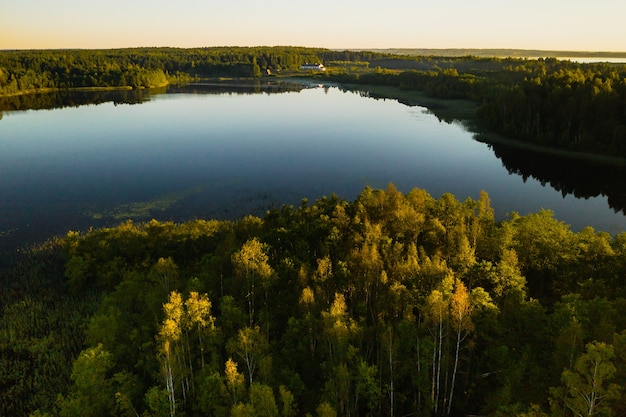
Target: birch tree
[199, 318]
[437, 316]
[460, 316]
[234, 380]
[251, 262]
[251, 346]
[587, 391]
[169, 337]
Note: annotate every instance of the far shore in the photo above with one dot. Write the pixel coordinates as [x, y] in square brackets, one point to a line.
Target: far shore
[87, 89]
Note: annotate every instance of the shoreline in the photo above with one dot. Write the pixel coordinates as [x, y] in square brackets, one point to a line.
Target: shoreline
[85, 89]
[463, 111]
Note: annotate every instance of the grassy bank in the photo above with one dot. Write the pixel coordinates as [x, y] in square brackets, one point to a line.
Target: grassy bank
[86, 89]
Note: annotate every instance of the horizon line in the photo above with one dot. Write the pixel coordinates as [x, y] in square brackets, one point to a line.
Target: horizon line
[391, 48]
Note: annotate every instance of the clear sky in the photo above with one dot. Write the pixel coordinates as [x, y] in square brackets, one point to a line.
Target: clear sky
[598, 25]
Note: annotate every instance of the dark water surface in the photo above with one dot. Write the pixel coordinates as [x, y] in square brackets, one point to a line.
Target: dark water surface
[216, 151]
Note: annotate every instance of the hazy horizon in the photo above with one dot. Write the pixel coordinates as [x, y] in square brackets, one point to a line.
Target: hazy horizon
[391, 48]
[560, 25]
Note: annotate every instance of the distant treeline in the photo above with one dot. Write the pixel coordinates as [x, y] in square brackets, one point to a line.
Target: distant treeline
[26, 71]
[493, 52]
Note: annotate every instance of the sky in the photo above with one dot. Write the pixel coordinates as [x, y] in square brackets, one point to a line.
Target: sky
[577, 25]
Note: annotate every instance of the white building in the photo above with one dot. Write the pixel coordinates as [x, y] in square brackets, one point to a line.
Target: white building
[314, 67]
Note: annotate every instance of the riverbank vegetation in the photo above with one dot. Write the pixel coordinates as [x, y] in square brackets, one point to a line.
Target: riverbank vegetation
[393, 304]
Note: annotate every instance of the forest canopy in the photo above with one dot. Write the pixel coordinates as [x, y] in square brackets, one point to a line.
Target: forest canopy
[393, 304]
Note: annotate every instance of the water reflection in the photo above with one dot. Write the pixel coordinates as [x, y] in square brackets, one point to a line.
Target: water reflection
[579, 178]
[238, 87]
[63, 99]
[77, 98]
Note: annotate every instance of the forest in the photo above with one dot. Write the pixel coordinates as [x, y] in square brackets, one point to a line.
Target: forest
[36, 70]
[390, 305]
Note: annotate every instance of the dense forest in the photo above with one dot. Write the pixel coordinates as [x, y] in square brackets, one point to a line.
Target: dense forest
[393, 305]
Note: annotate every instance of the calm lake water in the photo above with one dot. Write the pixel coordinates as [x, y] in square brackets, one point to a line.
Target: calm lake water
[211, 151]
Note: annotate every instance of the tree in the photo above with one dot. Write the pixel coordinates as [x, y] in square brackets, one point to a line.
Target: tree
[170, 335]
[287, 400]
[92, 393]
[157, 400]
[165, 272]
[262, 398]
[587, 391]
[242, 410]
[542, 243]
[199, 318]
[251, 346]
[436, 312]
[367, 390]
[256, 70]
[338, 328]
[508, 279]
[251, 262]
[326, 410]
[460, 317]
[234, 380]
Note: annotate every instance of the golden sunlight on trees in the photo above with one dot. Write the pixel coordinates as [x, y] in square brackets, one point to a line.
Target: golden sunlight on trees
[332, 309]
[251, 263]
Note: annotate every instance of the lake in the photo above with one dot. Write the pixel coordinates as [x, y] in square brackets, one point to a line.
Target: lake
[228, 149]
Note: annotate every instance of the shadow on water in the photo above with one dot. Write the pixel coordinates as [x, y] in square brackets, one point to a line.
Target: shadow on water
[77, 98]
[568, 176]
[74, 98]
[238, 87]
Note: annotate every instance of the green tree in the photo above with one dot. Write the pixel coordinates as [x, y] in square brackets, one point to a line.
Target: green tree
[460, 317]
[171, 352]
[256, 70]
[234, 380]
[287, 400]
[199, 318]
[157, 402]
[586, 389]
[251, 346]
[262, 398]
[326, 410]
[251, 262]
[92, 391]
[242, 410]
